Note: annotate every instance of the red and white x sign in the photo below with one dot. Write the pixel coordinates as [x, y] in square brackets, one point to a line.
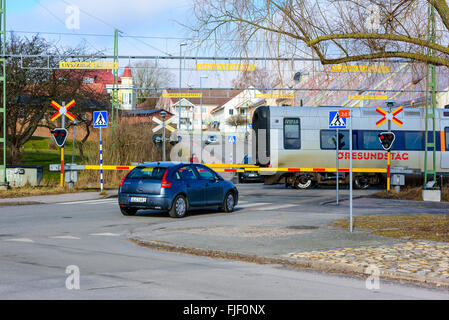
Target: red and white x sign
[63, 110]
[389, 116]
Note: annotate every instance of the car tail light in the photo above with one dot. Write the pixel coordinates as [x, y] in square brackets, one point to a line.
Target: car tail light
[165, 183]
[123, 180]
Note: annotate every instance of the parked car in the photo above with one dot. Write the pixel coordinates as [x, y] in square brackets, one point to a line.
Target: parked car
[249, 176]
[175, 187]
[211, 139]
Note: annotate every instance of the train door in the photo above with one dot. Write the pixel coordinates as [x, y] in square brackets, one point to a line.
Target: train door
[445, 148]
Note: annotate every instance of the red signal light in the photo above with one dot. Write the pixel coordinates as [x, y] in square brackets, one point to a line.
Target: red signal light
[390, 138]
[382, 137]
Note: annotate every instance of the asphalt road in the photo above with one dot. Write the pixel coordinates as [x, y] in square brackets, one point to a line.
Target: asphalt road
[38, 243]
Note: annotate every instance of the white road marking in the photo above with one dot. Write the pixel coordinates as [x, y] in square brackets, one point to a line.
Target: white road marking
[106, 234]
[65, 237]
[247, 205]
[281, 206]
[19, 240]
[98, 201]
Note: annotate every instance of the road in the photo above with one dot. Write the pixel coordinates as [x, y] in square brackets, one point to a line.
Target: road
[38, 243]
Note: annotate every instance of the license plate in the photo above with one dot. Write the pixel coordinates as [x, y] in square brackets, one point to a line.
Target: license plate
[137, 199]
[253, 175]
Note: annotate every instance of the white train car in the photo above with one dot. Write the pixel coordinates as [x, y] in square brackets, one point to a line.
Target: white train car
[298, 144]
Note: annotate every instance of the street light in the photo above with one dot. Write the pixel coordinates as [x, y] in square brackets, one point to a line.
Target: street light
[179, 102]
[201, 117]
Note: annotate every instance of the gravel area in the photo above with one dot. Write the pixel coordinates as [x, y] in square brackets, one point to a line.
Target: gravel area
[424, 258]
[242, 231]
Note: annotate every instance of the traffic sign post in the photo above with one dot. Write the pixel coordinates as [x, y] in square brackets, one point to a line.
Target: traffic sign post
[338, 119]
[163, 124]
[101, 121]
[350, 172]
[389, 116]
[59, 134]
[232, 156]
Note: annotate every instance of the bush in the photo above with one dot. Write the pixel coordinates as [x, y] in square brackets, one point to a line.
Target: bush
[131, 143]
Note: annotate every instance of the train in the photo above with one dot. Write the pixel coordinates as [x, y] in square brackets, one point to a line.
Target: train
[299, 146]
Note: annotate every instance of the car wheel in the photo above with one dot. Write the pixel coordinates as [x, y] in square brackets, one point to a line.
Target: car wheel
[302, 182]
[179, 207]
[362, 182]
[128, 211]
[229, 202]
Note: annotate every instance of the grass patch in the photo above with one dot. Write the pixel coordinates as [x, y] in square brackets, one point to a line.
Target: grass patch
[433, 227]
[29, 191]
[41, 151]
[409, 193]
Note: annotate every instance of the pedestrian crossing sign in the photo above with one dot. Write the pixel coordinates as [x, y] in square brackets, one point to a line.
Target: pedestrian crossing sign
[231, 139]
[335, 121]
[100, 119]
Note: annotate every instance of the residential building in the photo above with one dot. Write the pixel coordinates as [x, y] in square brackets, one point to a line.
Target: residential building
[191, 112]
[241, 104]
[126, 93]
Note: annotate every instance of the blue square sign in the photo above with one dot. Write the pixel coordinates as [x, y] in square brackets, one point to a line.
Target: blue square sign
[335, 122]
[100, 119]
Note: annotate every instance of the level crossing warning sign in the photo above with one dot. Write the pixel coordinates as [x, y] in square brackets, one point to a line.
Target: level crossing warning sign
[336, 121]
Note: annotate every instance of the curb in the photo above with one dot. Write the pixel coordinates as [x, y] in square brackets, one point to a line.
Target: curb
[19, 203]
[340, 199]
[328, 267]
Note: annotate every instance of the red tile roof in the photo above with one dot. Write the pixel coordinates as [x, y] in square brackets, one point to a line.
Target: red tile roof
[127, 73]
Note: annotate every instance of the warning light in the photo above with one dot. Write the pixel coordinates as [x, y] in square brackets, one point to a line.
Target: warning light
[60, 135]
[386, 140]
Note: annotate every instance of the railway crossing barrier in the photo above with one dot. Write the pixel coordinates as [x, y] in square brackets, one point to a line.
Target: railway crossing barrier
[398, 173]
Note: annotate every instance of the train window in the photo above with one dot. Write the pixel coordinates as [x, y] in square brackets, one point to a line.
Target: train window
[414, 140]
[327, 139]
[292, 133]
[370, 140]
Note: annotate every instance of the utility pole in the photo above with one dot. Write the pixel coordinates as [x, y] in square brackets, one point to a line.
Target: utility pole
[201, 119]
[4, 181]
[115, 98]
[431, 87]
[179, 101]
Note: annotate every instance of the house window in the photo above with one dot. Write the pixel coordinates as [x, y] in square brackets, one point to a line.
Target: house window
[231, 112]
[242, 111]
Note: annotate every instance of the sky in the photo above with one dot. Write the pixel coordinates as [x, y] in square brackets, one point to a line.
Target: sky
[158, 23]
[149, 18]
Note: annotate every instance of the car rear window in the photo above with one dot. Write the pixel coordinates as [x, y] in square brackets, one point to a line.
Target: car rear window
[150, 173]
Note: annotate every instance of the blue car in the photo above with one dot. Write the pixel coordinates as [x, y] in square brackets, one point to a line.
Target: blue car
[175, 187]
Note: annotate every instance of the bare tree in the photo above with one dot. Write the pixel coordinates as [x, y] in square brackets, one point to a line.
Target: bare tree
[259, 78]
[236, 120]
[335, 31]
[31, 88]
[148, 75]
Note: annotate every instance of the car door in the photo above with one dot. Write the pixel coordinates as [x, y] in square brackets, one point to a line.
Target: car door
[195, 188]
[213, 185]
